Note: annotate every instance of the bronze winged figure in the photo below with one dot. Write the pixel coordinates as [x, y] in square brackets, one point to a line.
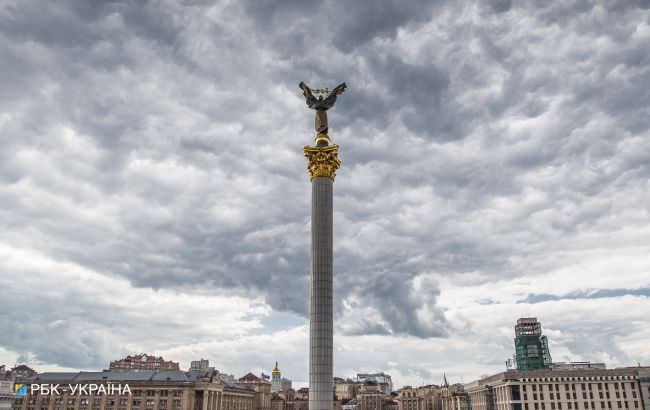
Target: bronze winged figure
[320, 104]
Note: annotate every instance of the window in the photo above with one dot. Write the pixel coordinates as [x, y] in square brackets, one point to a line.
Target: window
[164, 393]
[151, 393]
[178, 393]
[83, 402]
[149, 403]
[71, 401]
[124, 402]
[162, 404]
[176, 403]
[137, 393]
[136, 403]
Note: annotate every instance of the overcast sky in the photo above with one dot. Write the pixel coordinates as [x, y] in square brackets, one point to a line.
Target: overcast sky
[154, 194]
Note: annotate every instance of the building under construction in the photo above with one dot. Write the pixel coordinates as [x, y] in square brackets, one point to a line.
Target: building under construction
[531, 348]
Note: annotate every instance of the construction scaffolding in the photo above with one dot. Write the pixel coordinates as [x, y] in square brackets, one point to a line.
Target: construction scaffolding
[531, 347]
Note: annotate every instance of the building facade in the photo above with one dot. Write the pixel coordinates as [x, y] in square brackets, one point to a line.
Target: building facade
[370, 397]
[454, 401]
[385, 381]
[344, 389]
[6, 394]
[202, 365]
[142, 362]
[589, 389]
[420, 398]
[576, 366]
[261, 387]
[150, 390]
[278, 383]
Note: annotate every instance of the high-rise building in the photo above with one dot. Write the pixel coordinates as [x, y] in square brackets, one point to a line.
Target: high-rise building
[531, 347]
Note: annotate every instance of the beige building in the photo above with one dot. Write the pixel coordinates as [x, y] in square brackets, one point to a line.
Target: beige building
[371, 397]
[142, 362]
[420, 398]
[454, 401]
[587, 389]
[149, 391]
[261, 387]
[344, 389]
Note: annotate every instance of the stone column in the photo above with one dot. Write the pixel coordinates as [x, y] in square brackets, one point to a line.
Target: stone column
[322, 166]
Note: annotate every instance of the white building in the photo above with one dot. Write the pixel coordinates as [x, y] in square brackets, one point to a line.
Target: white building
[579, 389]
[278, 383]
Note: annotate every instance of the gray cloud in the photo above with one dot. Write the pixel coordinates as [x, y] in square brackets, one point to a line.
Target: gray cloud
[161, 144]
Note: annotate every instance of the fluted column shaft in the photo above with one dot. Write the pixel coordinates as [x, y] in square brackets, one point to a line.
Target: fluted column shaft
[320, 310]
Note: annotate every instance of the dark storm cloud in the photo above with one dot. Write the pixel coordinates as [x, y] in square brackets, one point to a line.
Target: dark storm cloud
[161, 144]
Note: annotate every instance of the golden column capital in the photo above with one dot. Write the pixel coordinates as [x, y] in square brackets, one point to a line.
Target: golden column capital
[322, 161]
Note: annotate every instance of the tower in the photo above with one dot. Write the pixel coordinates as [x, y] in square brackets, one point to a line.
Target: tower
[279, 383]
[322, 164]
[531, 347]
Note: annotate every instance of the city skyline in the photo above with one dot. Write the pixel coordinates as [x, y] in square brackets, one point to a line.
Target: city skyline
[154, 194]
